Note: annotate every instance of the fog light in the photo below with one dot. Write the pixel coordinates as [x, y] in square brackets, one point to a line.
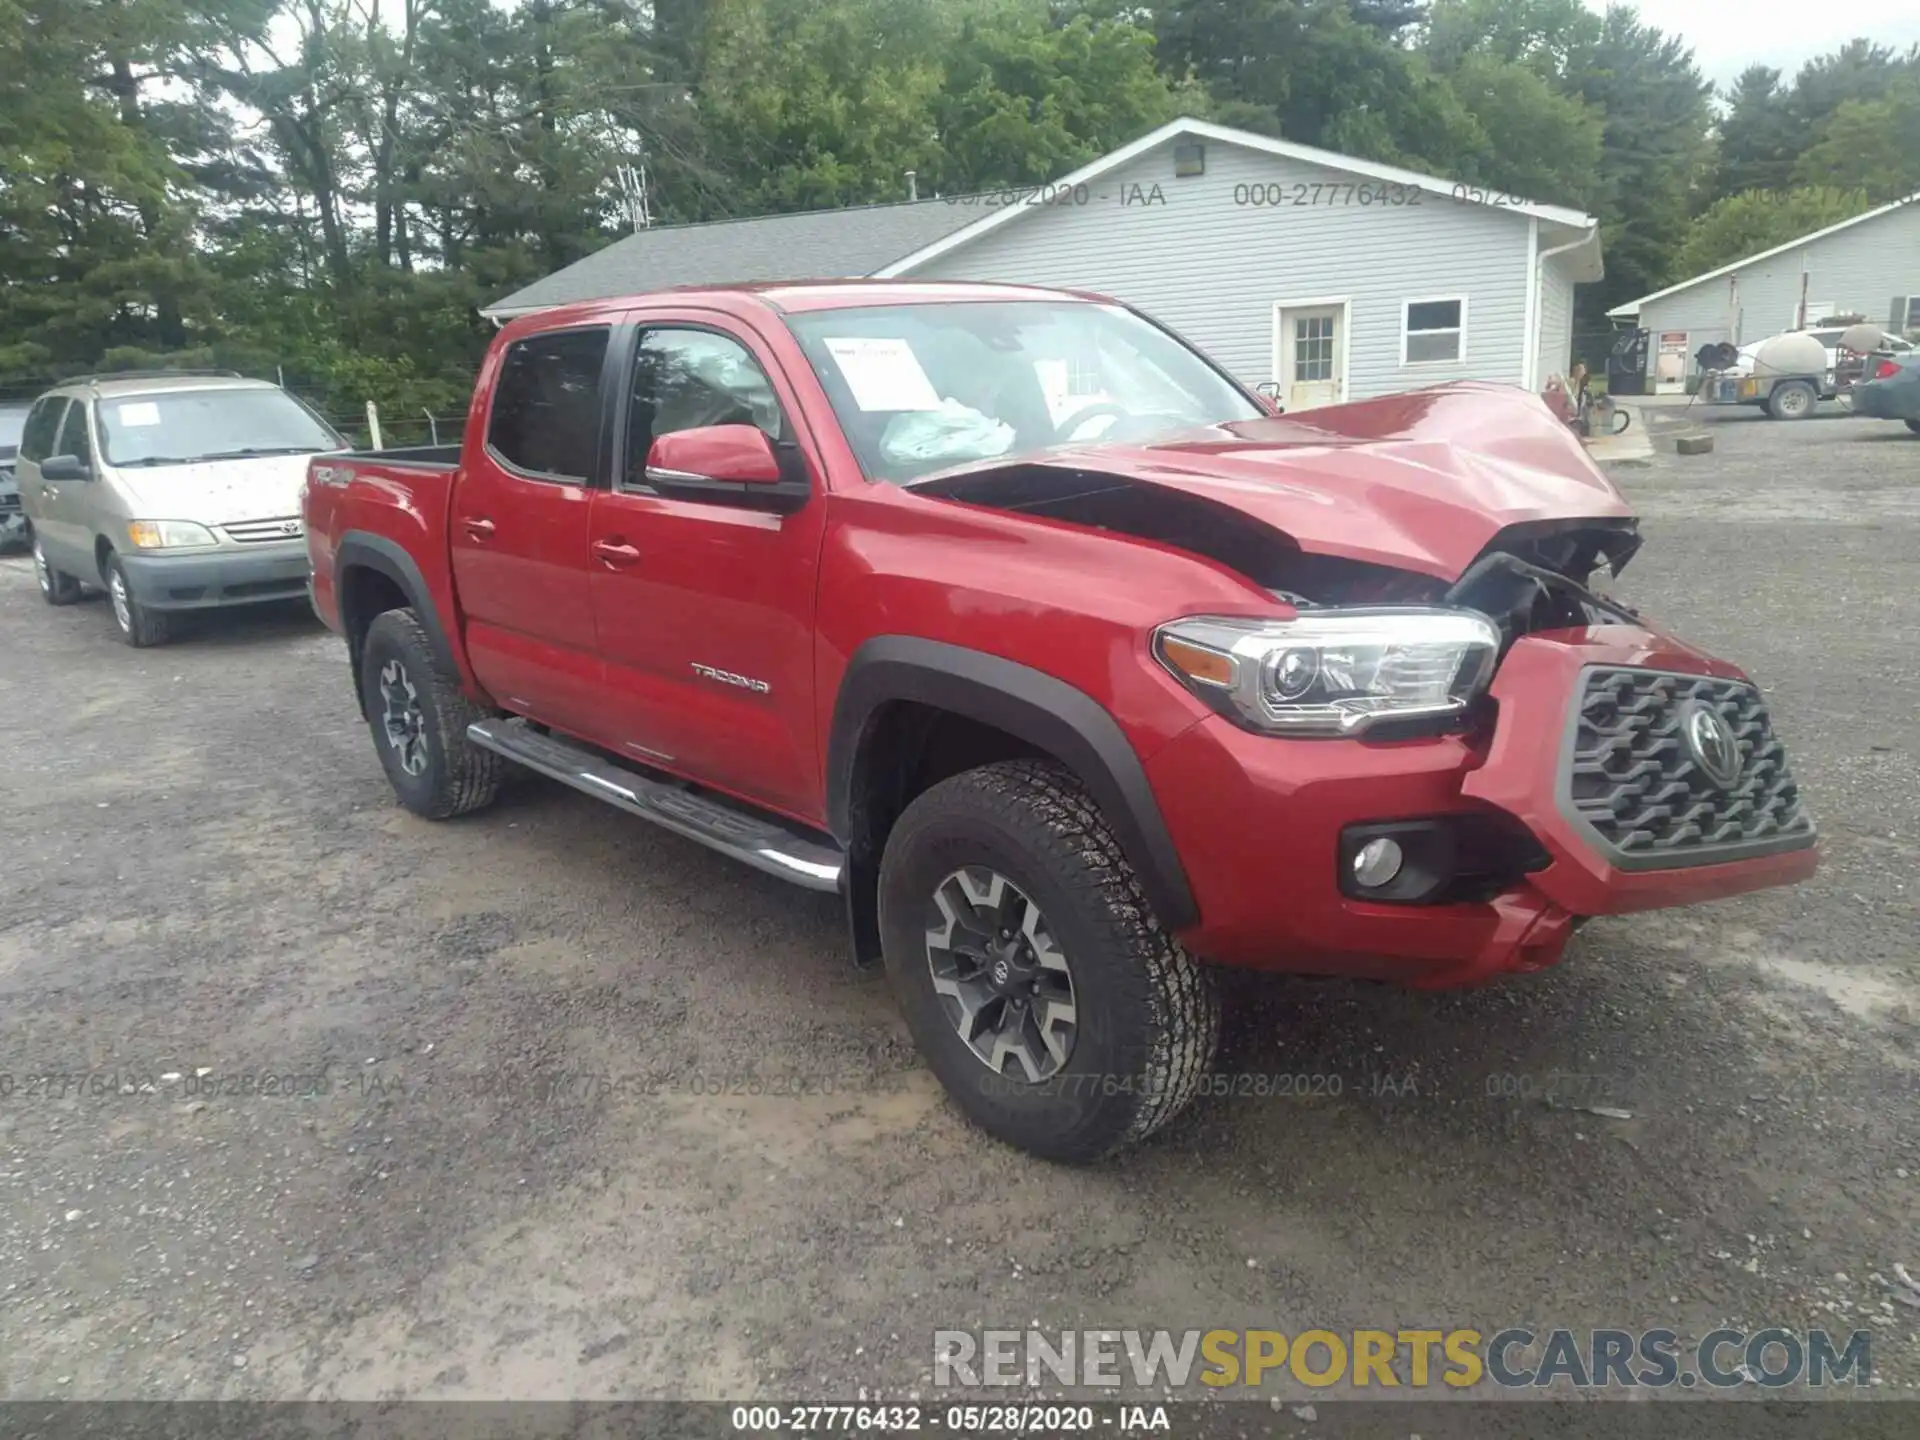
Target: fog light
[1376, 863]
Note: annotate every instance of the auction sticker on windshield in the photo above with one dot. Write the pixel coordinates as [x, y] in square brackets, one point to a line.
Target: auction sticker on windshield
[136, 413]
[883, 373]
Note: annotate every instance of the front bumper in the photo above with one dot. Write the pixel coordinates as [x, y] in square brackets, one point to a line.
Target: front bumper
[209, 579]
[1258, 822]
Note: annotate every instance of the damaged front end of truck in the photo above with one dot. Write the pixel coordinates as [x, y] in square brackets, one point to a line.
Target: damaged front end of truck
[1522, 750]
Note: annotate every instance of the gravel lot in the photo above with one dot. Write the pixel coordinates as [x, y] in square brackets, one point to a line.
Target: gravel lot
[206, 873]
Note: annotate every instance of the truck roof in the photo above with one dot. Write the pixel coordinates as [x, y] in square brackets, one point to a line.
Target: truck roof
[800, 296]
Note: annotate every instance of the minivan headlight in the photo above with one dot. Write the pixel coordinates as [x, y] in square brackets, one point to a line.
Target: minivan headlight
[167, 534]
[1332, 672]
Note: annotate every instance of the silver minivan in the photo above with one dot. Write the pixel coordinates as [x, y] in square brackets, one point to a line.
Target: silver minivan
[171, 492]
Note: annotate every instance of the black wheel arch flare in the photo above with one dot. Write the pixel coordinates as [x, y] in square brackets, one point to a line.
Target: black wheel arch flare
[1037, 708]
[361, 550]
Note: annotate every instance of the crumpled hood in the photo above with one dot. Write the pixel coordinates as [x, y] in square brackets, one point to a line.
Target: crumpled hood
[217, 492]
[1420, 481]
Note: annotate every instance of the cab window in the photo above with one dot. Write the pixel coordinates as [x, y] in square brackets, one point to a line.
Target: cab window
[546, 404]
[685, 379]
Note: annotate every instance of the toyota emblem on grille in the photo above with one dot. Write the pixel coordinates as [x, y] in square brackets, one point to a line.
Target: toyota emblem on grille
[1711, 740]
[289, 527]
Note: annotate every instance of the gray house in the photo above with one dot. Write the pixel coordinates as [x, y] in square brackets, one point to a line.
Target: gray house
[1333, 277]
[1869, 265]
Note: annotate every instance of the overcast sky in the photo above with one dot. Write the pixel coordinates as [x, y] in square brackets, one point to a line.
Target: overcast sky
[1729, 35]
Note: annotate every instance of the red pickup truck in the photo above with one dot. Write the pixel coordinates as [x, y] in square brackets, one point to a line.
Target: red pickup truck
[1015, 621]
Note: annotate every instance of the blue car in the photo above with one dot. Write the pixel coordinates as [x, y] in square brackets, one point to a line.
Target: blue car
[1892, 389]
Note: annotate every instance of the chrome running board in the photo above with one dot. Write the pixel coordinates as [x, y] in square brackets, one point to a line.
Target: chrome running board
[763, 843]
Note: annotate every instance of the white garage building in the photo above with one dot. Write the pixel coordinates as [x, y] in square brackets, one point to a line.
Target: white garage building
[1869, 266]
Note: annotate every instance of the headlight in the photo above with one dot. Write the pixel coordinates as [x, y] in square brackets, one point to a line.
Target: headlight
[167, 534]
[1332, 672]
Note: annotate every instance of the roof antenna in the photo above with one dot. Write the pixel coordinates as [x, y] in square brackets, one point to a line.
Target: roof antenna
[913, 185]
[633, 193]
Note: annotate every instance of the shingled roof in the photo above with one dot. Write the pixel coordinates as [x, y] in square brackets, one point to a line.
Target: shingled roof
[814, 244]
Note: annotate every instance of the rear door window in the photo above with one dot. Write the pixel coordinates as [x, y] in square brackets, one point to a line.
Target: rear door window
[43, 425]
[546, 404]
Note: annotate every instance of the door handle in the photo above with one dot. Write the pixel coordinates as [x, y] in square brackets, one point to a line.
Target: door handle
[616, 552]
[48, 492]
[479, 528]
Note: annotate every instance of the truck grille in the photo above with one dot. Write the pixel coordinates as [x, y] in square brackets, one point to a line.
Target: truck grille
[255, 532]
[1633, 775]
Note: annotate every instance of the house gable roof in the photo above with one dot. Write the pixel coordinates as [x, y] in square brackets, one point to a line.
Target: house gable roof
[1632, 307]
[1187, 126]
[823, 244]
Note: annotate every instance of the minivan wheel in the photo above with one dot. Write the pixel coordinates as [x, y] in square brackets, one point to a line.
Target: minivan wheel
[139, 625]
[56, 586]
[419, 716]
[1032, 972]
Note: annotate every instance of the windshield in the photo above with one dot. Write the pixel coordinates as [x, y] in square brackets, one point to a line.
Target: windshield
[919, 388]
[177, 426]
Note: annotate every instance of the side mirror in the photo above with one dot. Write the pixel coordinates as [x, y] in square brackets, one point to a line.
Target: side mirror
[1269, 391]
[726, 454]
[65, 467]
[729, 464]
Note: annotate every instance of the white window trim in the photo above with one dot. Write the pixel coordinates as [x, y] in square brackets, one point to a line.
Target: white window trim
[1406, 309]
[1282, 351]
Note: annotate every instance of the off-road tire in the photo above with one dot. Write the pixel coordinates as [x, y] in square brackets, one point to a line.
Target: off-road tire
[56, 586]
[1148, 1017]
[458, 777]
[1781, 407]
[139, 625]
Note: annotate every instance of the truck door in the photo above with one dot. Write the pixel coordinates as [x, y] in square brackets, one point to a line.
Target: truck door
[519, 527]
[704, 602]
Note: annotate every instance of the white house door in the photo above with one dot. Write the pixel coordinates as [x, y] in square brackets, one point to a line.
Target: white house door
[1313, 354]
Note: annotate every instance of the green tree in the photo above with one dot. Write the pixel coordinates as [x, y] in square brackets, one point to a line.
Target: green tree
[1758, 220]
[1655, 152]
[1869, 145]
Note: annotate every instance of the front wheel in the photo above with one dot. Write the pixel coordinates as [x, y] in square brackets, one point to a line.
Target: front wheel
[139, 625]
[1033, 974]
[1792, 401]
[419, 717]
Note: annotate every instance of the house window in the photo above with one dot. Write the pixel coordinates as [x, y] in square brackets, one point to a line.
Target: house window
[1434, 332]
[1312, 349]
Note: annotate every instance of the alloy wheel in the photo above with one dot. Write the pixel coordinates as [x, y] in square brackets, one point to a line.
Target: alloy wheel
[402, 719]
[122, 607]
[1001, 979]
[42, 571]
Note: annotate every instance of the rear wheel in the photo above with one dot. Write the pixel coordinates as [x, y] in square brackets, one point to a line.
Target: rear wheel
[56, 586]
[1793, 400]
[419, 717]
[1036, 980]
[139, 625]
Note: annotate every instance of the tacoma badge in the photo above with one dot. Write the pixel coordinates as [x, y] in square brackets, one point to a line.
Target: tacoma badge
[727, 677]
